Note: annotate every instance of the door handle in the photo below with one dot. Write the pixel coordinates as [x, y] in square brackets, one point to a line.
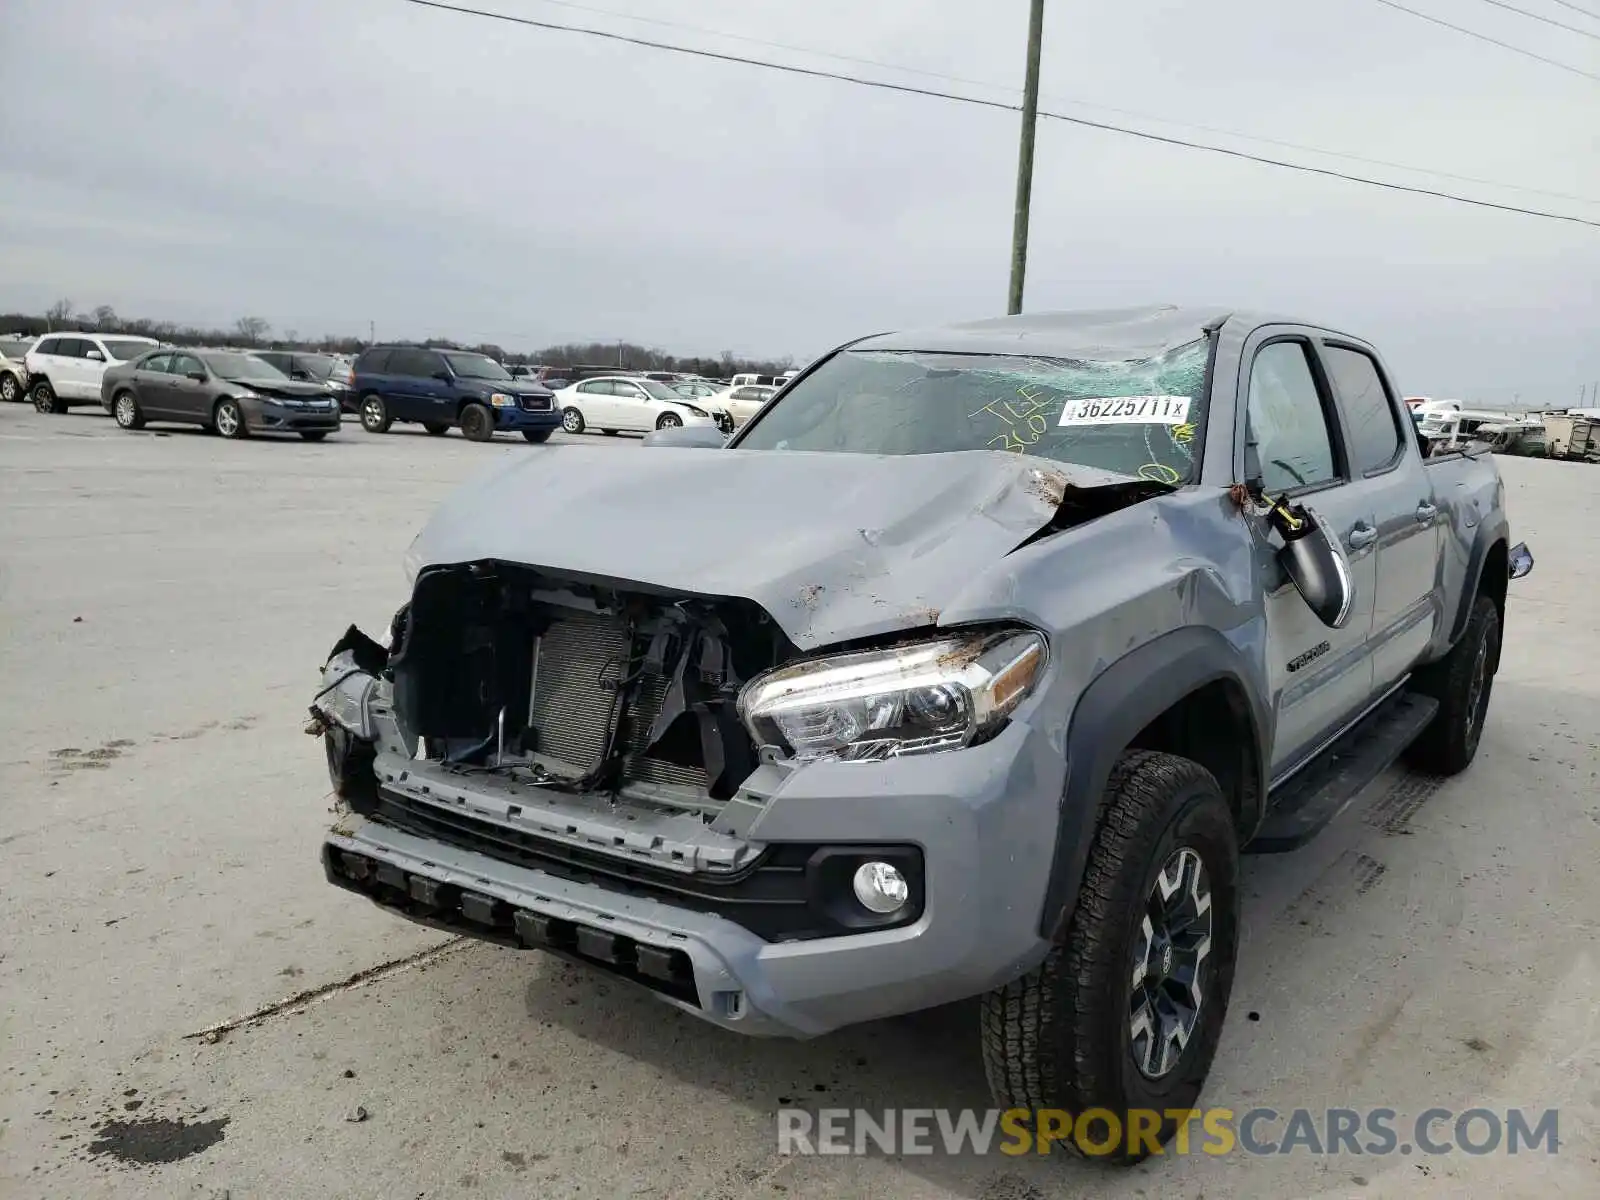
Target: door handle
[1362, 536]
[1426, 512]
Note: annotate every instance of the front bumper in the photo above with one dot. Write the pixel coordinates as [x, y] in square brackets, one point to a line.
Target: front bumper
[269, 416]
[517, 419]
[984, 820]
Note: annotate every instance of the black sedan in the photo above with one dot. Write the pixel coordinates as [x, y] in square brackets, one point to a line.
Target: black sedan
[235, 394]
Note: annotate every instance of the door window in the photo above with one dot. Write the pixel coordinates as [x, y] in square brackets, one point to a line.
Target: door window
[1371, 431]
[156, 364]
[419, 364]
[373, 362]
[593, 388]
[1287, 421]
[186, 364]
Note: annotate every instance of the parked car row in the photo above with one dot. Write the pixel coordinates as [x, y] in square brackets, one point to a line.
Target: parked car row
[239, 392]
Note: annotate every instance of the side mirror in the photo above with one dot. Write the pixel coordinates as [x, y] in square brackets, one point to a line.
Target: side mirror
[197, 376]
[1315, 563]
[95, 356]
[1521, 560]
[442, 376]
[697, 437]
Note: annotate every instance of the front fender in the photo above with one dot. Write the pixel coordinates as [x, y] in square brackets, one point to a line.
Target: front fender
[1121, 701]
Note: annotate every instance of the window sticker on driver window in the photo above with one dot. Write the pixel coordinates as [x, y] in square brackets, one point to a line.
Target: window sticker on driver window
[1126, 410]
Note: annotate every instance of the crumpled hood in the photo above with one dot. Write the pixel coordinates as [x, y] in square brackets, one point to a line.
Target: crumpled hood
[833, 546]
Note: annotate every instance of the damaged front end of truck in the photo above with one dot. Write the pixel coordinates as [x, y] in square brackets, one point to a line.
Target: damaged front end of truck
[563, 758]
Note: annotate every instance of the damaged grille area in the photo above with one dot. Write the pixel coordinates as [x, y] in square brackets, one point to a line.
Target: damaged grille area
[579, 686]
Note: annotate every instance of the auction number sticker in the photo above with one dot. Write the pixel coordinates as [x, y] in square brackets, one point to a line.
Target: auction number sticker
[1127, 410]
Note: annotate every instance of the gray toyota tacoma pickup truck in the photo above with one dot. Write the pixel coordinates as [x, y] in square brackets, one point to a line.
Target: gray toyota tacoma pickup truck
[968, 667]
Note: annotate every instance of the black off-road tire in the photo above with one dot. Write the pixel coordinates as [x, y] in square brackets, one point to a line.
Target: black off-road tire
[436, 428]
[477, 423]
[1059, 1037]
[537, 436]
[1461, 682]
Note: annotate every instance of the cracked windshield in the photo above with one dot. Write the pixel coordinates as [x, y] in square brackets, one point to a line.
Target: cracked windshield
[1135, 417]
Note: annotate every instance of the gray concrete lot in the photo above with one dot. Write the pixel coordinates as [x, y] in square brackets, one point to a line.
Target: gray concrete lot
[165, 602]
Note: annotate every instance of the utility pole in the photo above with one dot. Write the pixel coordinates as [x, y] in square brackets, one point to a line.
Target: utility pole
[1030, 118]
[372, 332]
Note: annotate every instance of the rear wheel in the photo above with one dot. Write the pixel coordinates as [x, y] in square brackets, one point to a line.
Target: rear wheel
[1460, 682]
[228, 419]
[45, 398]
[1124, 1014]
[314, 435]
[126, 410]
[436, 428]
[477, 423]
[572, 420]
[537, 436]
[375, 416]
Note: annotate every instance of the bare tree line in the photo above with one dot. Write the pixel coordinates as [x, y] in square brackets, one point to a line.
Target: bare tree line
[257, 333]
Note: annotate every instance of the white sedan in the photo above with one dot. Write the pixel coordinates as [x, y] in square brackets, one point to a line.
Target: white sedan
[742, 403]
[611, 403]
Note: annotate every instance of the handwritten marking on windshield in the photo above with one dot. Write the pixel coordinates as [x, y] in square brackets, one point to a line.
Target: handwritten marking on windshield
[1022, 429]
[1160, 473]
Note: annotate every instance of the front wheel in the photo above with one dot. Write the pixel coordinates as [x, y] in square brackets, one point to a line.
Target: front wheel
[537, 436]
[669, 420]
[126, 411]
[228, 418]
[375, 416]
[1125, 1012]
[45, 398]
[10, 390]
[477, 423]
[571, 420]
[1461, 682]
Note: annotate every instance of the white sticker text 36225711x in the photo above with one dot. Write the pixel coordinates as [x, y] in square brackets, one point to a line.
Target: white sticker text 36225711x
[1127, 410]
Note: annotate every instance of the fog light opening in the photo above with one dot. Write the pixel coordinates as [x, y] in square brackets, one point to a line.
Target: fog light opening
[880, 888]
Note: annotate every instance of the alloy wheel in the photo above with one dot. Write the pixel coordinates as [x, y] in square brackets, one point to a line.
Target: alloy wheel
[1169, 964]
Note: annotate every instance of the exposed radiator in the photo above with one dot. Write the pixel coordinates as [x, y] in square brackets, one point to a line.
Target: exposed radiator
[571, 708]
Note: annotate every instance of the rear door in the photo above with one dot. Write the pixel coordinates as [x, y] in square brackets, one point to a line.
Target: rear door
[1407, 606]
[152, 384]
[407, 386]
[1319, 677]
[67, 366]
[595, 403]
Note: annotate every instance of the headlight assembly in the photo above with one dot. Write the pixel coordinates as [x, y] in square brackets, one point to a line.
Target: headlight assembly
[697, 411]
[502, 400]
[912, 699]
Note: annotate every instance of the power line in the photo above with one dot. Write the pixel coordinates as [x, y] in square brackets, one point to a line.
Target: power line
[911, 90]
[1588, 12]
[1126, 112]
[1483, 37]
[1541, 17]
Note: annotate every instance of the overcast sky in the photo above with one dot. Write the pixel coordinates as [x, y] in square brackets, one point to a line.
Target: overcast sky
[326, 163]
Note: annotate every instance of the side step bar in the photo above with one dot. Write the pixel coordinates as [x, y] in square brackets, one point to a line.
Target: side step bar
[1325, 786]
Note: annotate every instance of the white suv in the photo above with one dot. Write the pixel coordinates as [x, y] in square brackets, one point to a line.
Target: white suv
[65, 368]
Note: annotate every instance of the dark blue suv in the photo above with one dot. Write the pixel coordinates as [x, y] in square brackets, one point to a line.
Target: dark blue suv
[441, 388]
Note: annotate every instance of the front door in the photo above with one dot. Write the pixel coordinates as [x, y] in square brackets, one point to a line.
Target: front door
[189, 396]
[1319, 677]
[632, 407]
[70, 369]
